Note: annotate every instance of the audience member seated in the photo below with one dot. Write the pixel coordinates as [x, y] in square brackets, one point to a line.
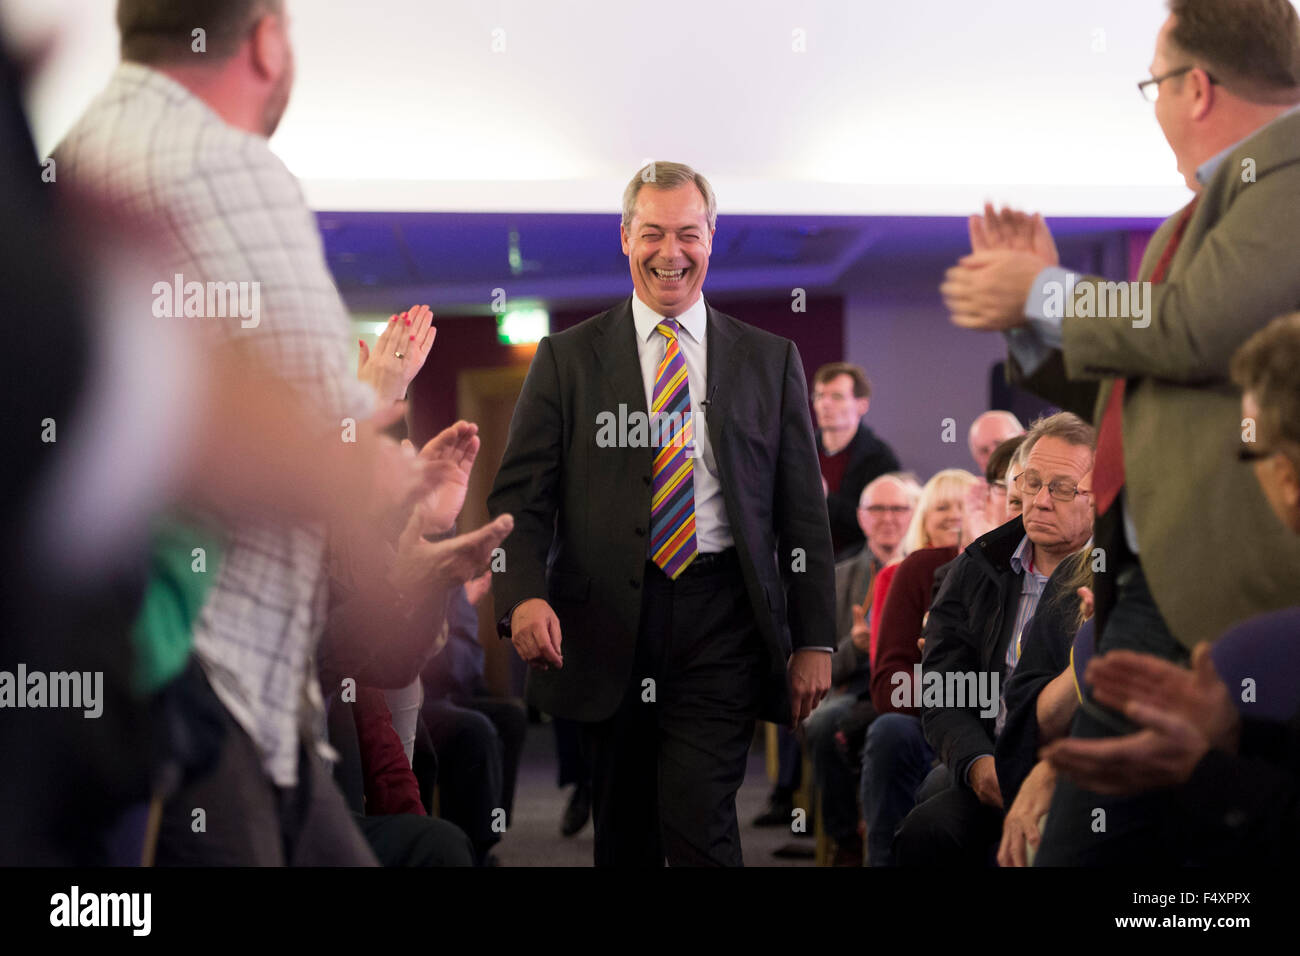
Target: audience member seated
[886, 509]
[973, 642]
[478, 738]
[1041, 699]
[892, 755]
[987, 432]
[1224, 734]
[851, 454]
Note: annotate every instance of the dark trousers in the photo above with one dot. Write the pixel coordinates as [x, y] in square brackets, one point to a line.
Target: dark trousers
[667, 765]
[248, 821]
[571, 763]
[950, 828]
[835, 779]
[470, 777]
[895, 761]
[407, 839]
[1086, 828]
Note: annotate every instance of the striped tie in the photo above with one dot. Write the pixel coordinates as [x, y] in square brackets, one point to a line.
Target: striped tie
[672, 509]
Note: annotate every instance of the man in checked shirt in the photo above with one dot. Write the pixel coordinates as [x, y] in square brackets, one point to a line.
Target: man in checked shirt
[179, 138]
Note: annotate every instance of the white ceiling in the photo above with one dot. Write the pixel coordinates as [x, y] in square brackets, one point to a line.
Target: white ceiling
[894, 108]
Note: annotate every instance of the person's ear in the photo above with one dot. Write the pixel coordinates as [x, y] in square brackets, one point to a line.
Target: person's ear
[1288, 481]
[622, 234]
[863, 404]
[1202, 91]
[270, 48]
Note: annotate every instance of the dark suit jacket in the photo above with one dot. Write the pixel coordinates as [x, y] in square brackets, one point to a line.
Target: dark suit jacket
[582, 513]
[1199, 517]
[967, 631]
[869, 458]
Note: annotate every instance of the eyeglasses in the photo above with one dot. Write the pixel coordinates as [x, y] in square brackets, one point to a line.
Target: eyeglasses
[878, 510]
[1150, 88]
[1060, 489]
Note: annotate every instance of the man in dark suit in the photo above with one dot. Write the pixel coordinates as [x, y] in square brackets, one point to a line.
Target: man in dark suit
[670, 578]
[1150, 367]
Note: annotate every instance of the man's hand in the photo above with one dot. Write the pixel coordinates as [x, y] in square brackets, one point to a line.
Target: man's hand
[396, 476]
[477, 588]
[1088, 600]
[412, 334]
[535, 633]
[975, 520]
[860, 635]
[984, 781]
[1014, 230]
[987, 291]
[1198, 695]
[810, 681]
[450, 456]
[1163, 755]
[422, 565]
[1020, 828]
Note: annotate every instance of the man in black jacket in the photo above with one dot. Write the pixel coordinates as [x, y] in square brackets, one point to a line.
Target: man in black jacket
[850, 454]
[973, 639]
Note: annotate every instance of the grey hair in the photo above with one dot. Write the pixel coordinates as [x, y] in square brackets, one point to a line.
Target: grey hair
[663, 175]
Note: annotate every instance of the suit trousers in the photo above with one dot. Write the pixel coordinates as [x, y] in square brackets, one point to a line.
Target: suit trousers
[1089, 829]
[666, 766]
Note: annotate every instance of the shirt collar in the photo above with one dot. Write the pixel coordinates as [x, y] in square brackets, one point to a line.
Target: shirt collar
[1023, 556]
[694, 320]
[1207, 169]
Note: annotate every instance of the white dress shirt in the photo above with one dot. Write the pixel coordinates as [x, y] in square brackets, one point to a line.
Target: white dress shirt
[712, 530]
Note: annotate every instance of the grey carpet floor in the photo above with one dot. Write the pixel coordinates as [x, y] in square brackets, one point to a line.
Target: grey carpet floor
[534, 836]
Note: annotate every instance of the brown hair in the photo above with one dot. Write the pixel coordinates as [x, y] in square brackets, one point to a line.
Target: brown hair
[1000, 460]
[668, 176]
[162, 31]
[1268, 366]
[1067, 426]
[1251, 46]
[833, 370]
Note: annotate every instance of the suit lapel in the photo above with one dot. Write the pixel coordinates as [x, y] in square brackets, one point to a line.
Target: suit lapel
[618, 356]
[726, 351]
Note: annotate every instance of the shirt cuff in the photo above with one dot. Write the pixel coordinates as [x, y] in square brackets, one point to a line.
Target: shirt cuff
[1044, 309]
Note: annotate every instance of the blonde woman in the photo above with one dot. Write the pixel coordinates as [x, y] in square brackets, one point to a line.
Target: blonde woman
[936, 523]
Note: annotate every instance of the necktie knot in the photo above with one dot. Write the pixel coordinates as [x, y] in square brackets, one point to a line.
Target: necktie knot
[668, 328]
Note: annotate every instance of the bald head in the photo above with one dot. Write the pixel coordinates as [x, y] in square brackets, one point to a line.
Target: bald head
[990, 430]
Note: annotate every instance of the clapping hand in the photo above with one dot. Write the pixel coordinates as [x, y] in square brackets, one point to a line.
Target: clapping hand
[1014, 231]
[450, 456]
[399, 354]
[987, 290]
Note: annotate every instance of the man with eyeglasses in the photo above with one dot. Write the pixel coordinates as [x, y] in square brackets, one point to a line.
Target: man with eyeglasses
[884, 512]
[973, 639]
[1232, 754]
[1225, 82]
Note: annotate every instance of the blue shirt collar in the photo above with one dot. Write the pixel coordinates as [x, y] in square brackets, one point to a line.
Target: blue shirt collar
[1207, 169]
[1023, 556]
